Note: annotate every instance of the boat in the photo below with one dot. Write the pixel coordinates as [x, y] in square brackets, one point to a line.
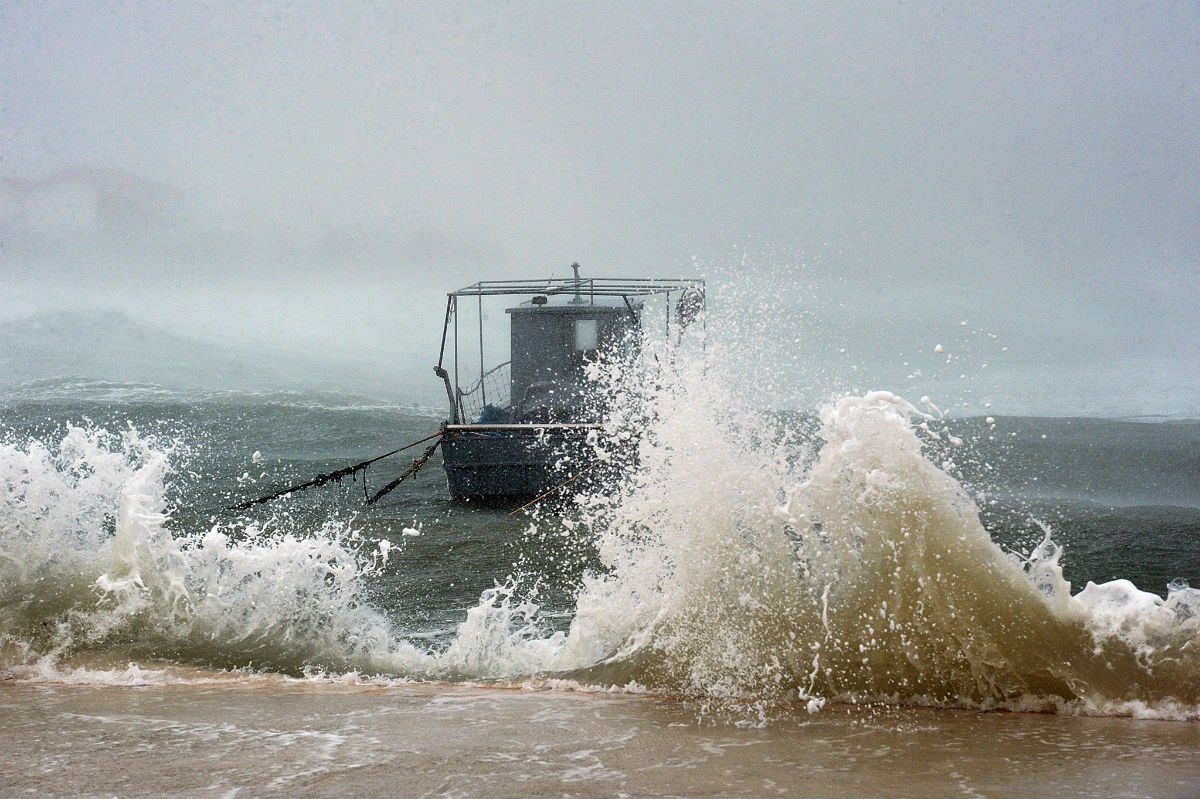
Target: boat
[526, 416]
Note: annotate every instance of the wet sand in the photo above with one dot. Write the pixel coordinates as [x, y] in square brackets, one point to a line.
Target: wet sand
[281, 738]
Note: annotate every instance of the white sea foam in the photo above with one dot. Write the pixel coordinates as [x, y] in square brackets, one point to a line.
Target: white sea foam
[743, 565]
[744, 570]
[91, 575]
[87, 560]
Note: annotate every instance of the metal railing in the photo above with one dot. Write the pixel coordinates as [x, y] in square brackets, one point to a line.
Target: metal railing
[589, 286]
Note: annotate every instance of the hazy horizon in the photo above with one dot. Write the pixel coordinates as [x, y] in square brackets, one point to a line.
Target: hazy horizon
[1020, 185]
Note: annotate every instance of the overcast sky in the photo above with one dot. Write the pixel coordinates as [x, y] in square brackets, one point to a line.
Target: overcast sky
[317, 172]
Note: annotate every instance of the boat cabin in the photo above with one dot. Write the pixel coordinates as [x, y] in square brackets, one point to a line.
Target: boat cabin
[514, 428]
[551, 345]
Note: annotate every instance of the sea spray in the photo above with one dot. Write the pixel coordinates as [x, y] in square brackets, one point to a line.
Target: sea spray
[918, 603]
[502, 636]
[698, 565]
[93, 576]
[744, 562]
[57, 518]
[743, 578]
[924, 607]
[90, 567]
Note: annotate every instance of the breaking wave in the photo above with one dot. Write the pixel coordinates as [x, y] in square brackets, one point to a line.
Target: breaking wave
[89, 566]
[748, 567]
[743, 565]
[92, 577]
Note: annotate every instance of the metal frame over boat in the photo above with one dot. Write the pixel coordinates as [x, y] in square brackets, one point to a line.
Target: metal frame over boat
[531, 424]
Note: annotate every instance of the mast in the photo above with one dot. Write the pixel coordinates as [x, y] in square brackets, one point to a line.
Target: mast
[578, 297]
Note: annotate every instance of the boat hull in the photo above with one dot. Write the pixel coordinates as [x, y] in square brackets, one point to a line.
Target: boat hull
[495, 461]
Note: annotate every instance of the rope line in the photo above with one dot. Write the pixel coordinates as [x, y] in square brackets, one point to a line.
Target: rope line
[564, 483]
[417, 463]
[340, 474]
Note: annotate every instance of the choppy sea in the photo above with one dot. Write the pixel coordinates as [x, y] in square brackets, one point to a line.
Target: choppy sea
[861, 599]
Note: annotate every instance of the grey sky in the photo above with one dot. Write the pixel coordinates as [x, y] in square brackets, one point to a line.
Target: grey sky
[295, 169]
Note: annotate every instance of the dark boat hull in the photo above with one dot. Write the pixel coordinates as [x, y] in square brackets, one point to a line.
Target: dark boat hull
[493, 461]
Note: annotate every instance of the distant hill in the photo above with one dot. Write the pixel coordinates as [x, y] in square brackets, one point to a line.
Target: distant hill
[111, 345]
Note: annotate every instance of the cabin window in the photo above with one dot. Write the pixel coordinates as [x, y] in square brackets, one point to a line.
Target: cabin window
[585, 334]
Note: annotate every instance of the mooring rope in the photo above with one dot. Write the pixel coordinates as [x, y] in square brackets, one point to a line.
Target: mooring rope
[564, 483]
[417, 463]
[349, 471]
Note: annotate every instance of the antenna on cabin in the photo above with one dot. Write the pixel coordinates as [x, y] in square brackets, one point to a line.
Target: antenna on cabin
[578, 297]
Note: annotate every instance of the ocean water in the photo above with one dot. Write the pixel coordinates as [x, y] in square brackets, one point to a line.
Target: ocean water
[859, 599]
